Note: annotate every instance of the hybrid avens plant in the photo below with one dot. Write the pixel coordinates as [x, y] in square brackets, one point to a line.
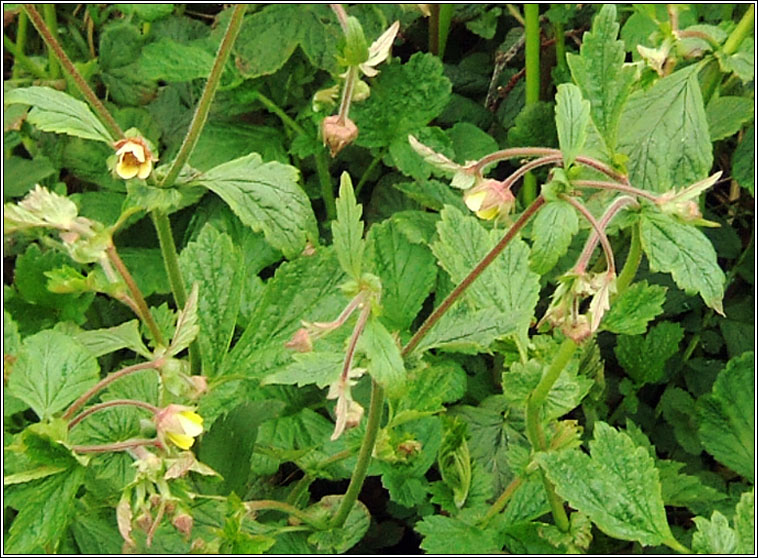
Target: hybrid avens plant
[474, 350]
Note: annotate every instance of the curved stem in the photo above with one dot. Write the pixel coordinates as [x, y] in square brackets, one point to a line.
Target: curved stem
[109, 379]
[598, 233]
[364, 456]
[471, 277]
[204, 105]
[113, 403]
[514, 153]
[632, 262]
[524, 169]
[117, 446]
[626, 188]
[259, 505]
[364, 176]
[80, 82]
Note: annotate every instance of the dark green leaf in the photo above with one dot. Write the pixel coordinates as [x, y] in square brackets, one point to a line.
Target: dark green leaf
[338, 540]
[534, 125]
[470, 142]
[174, 62]
[267, 39]
[743, 161]
[431, 193]
[630, 313]
[409, 162]
[644, 359]
[147, 12]
[221, 142]
[726, 115]
[20, 175]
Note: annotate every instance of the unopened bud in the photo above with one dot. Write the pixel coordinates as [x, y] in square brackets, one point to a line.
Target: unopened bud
[183, 523]
[338, 133]
[489, 199]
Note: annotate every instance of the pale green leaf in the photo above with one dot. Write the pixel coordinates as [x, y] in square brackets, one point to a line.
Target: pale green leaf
[634, 308]
[553, 228]
[744, 523]
[187, 326]
[174, 62]
[686, 253]
[55, 111]
[266, 197]
[617, 487]
[572, 116]
[100, 342]
[407, 272]
[670, 147]
[726, 115]
[448, 535]
[52, 370]
[644, 358]
[383, 352]
[347, 230]
[714, 536]
[601, 74]
[214, 263]
[318, 368]
[726, 419]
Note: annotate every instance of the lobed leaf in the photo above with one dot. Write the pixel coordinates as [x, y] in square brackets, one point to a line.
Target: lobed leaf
[634, 308]
[347, 230]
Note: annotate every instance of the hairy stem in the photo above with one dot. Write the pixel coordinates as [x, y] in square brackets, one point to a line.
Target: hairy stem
[615, 186]
[598, 233]
[113, 403]
[204, 105]
[259, 505]
[532, 53]
[472, 276]
[515, 153]
[117, 446]
[80, 82]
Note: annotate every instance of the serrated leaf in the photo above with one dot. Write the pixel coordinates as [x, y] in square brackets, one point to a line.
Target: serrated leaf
[318, 368]
[174, 62]
[407, 272]
[55, 111]
[670, 146]
[528, 502]
[572, 116]
[507, 284]
[601, 74]
[430, 154]
[644, 359]
[431, 386]
[686, 253]
[743, 161]
[630, 313]
[266, 197]
[102, 341]
[469, 331]
[267, 39]
[448, 535]
[404, 97]
[52, 370]
[727, 114]
[553, 228]
[404, 490]
[187, 326]
[617, 487]
[213, 263]
[744, 522]
[347, 230]
[726, 419]
[383, 352]
[339, 539]
[714, 536]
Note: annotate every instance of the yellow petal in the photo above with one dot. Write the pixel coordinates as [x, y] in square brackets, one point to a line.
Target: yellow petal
[488, 214]
[126, 171]
[181, 440]
[475, 200]
[191, 423]
[145, 169]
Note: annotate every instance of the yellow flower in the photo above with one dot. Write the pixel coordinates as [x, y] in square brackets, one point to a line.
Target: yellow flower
[134, 158]
[180, 424]
[489, 199]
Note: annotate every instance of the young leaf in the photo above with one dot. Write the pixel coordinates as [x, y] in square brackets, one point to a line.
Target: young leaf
[407, 272]
[187, 327]
[670, 146]
[726, 419]
[714, 536]
[507, 284]
[57, 112]
[347, 230]
[572, 115]
[383, 352]
[552, 231]
[100, 342]
[644, 359]
[686, 253]
[601, 74]
[318, 368]
[214, 263]
[617, 487]
[630, 313]
[52, 370]
[267, 197]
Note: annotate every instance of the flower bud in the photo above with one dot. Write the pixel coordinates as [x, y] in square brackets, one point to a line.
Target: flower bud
[183, 523]
[134, 158]
[338, 133]
[300, 342]
[489, 199]
[180, 424]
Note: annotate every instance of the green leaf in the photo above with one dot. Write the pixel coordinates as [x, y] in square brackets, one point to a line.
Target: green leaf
[174, 62]
[410, 163]
[432, 385]
[726, 115]
[471, 142]
[383, 352]
[553, 228]
[743, 162]
[630, 313]
[679, 489]
[267, 197]
[318, 368]
[742, 62]
[146, 12]
[670, 146]
[528, 502]
[572, 115]
[44, 514]
[347, 230]
[220, 142]
[617, 487]
[339, 539]
[214, 263]
[431, 193]
[644, 358]
[726, 419]
[507, 284]
[407, 272]
[404, 97]
[100, 342]
[534, 125]
[95, 534]
[187, 326]
[686, 253]
[714, 536]
[51, 371]
[20, 175]
[448, 535]
[55, 111]
[267, 39]
[601, 74]
[404, 490]
[744, 522]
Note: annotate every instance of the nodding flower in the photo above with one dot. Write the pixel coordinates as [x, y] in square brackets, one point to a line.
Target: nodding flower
[179, 424]
[134, 158]
[489, 199]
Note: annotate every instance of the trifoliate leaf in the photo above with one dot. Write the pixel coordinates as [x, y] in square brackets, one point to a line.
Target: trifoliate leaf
[347, 230]
[572, 116]
[553, 228]
[634, 308]
[644, 358]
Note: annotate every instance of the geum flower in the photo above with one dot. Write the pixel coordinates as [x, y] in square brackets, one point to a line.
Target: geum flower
[134, 158]
[180, 424]
[489, 199]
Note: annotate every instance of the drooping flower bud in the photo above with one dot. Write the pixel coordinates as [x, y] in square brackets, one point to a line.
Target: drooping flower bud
[180, 424]
[134, 158]
[489, 199]
[338, 133]
[300, 342]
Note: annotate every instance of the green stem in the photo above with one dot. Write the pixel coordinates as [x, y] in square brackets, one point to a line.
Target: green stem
[632, 262]
[434, 29]
[21, 27]
[443, 27]
[258, 505]
[738, 35]
[113, 403]
[371, 167]
[204, 105]
[20, 59]
[139, 300]
[364, 456]
[502, 500]
[472, 276]
[52, 23]
[674, 544]
[81, 83]
[286, 119]
[560, 47]
[532, 52]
